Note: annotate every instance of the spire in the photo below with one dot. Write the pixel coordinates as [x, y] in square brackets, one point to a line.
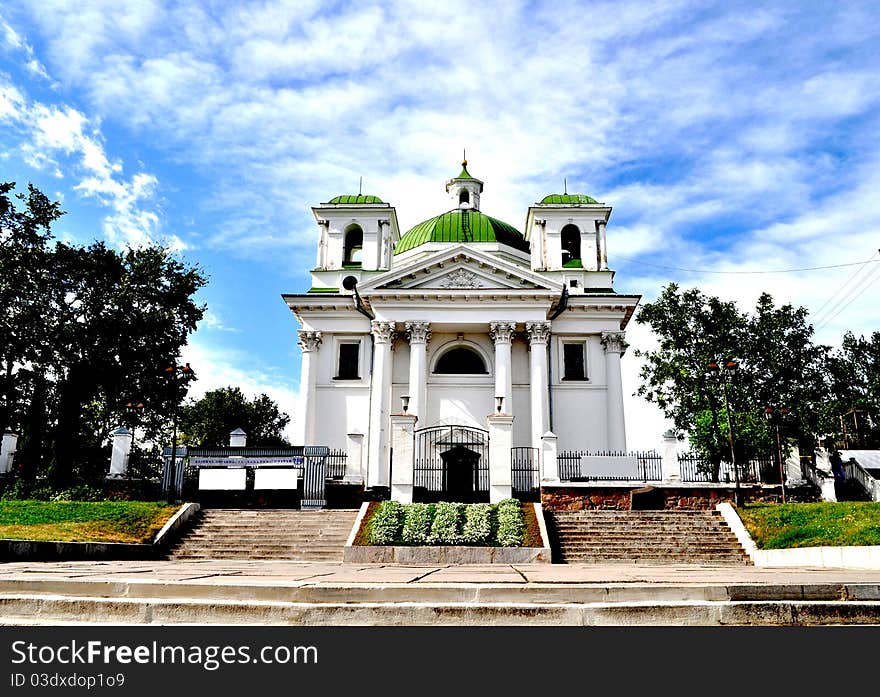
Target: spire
[464, 173]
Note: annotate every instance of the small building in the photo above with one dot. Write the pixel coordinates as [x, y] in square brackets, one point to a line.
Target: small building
[445, 358]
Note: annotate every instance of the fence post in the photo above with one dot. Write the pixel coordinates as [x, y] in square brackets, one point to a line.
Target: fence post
[549, 461]
[354, 447]
[237, 438]
[500, 443]
[669, 463]
[792, 465]
[403, 444]
[7, 452]
[122, 439]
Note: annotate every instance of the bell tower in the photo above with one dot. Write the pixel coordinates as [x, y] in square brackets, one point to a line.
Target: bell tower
[465, 190]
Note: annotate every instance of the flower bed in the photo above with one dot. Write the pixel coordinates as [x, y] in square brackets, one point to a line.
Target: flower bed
[507, 532]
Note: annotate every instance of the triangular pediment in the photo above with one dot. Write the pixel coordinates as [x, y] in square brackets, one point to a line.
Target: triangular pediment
[459, 269]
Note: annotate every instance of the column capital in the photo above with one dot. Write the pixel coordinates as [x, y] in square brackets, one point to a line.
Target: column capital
[502, 332]
[418, 332]
[309, 341]
[538, 332]
[383, 332]
[614, 342]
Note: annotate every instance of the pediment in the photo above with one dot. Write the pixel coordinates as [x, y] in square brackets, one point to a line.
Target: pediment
[462, 270]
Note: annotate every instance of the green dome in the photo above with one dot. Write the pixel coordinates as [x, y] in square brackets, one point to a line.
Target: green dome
[568, 198]
[355, 198]
[456, 226]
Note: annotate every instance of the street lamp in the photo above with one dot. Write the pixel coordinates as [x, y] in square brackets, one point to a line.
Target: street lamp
[774, 416]
[726, 369]
[175, 374]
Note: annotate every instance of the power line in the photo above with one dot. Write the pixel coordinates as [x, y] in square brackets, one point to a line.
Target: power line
[841, 308]
[806, 268]
[818, 313]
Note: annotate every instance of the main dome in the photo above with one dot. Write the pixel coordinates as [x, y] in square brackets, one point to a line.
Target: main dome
[459, 226]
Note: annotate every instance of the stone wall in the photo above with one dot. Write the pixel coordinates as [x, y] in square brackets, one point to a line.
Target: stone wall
[680, 498]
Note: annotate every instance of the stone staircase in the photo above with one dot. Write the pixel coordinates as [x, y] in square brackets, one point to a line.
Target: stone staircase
[285, 534]
[643, 537]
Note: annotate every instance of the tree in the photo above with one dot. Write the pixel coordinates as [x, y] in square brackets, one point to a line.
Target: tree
[207, 422]
[778, 366]
[853, 408]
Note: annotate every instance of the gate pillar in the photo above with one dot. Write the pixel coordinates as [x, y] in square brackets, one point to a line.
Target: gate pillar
[500, 444]
[403, 457]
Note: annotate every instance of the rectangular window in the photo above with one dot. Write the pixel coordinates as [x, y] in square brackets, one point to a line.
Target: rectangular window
[573, 359]
[348, 362]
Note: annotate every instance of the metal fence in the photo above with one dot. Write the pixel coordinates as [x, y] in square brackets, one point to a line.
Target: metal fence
[649, 466]
[336, 463]
[451, 462]
[696, 468]
[525, 472]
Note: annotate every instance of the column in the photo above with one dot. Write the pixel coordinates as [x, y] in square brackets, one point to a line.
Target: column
[419, 334]
[549, 457]
[502, 335]
[237, 438]
[500, 444]
[380, 403]
[122, 439]
[539, 381]
[309, 342]
[614, 348]
[7, 451]
[669, 458]
[601, 246]
[403, 441]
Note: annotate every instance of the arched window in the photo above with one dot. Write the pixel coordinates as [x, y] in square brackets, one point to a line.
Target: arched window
[354, 244]
[460, 360]
[571, 246]
[464, 196]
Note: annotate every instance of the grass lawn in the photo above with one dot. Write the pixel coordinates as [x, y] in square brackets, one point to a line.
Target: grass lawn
[841, 524]
[83, 521]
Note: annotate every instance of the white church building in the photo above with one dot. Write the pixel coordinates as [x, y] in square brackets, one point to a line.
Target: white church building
[440, 357]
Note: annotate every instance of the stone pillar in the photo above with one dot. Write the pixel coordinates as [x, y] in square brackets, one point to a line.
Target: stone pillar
[539, 335]
[614, 349]
[549, 462]
[500, 444]
[792, 465]
[380, 403]
[502, 335]
[601, 246]
[354, 467]
[122, 440]
[669, 463]
[237, 438]
[419, 334]
[7, 451]
[310, 342]
[403, 468]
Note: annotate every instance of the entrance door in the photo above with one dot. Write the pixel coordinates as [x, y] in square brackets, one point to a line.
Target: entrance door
[459, 468]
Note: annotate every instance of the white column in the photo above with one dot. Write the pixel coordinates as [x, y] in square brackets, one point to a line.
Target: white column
[539, 335]
[500, 443]
[614, 347]
[354, 467]
[601, 245]
[419, 334]
[309, 342]
[549, 460]
[380, 403]
[323, 243]
[793, 472]
[502, 335]
[7, 451]
[669, 463]
[403, 468]
[122, 439]
[237, 438]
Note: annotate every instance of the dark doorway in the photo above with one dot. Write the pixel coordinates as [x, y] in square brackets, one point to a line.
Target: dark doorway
[459, 468]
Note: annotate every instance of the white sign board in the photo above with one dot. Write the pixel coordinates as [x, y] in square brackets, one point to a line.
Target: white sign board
[223, 479]
[275, 478]
[245, 461]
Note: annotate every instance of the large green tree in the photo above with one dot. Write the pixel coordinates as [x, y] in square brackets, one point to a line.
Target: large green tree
[854, 403]
[207, 422]
[778, 366]
[89, 329]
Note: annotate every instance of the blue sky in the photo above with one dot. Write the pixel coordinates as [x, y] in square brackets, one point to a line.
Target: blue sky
[727, 136]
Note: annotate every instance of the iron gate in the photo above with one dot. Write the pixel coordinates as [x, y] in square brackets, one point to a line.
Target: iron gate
[525, 474]
[451, 464]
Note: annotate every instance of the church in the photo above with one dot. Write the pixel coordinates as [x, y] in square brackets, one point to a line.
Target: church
[450, 359]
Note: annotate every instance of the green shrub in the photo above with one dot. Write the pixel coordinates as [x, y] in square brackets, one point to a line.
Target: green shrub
[477, 529]
[417, 520]
[510, 523]
[446, 528]
[386, 523]
[81, 492]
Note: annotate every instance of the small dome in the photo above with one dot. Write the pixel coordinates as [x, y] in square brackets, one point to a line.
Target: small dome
[355, 198]
[568, 198]
[457, 227]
